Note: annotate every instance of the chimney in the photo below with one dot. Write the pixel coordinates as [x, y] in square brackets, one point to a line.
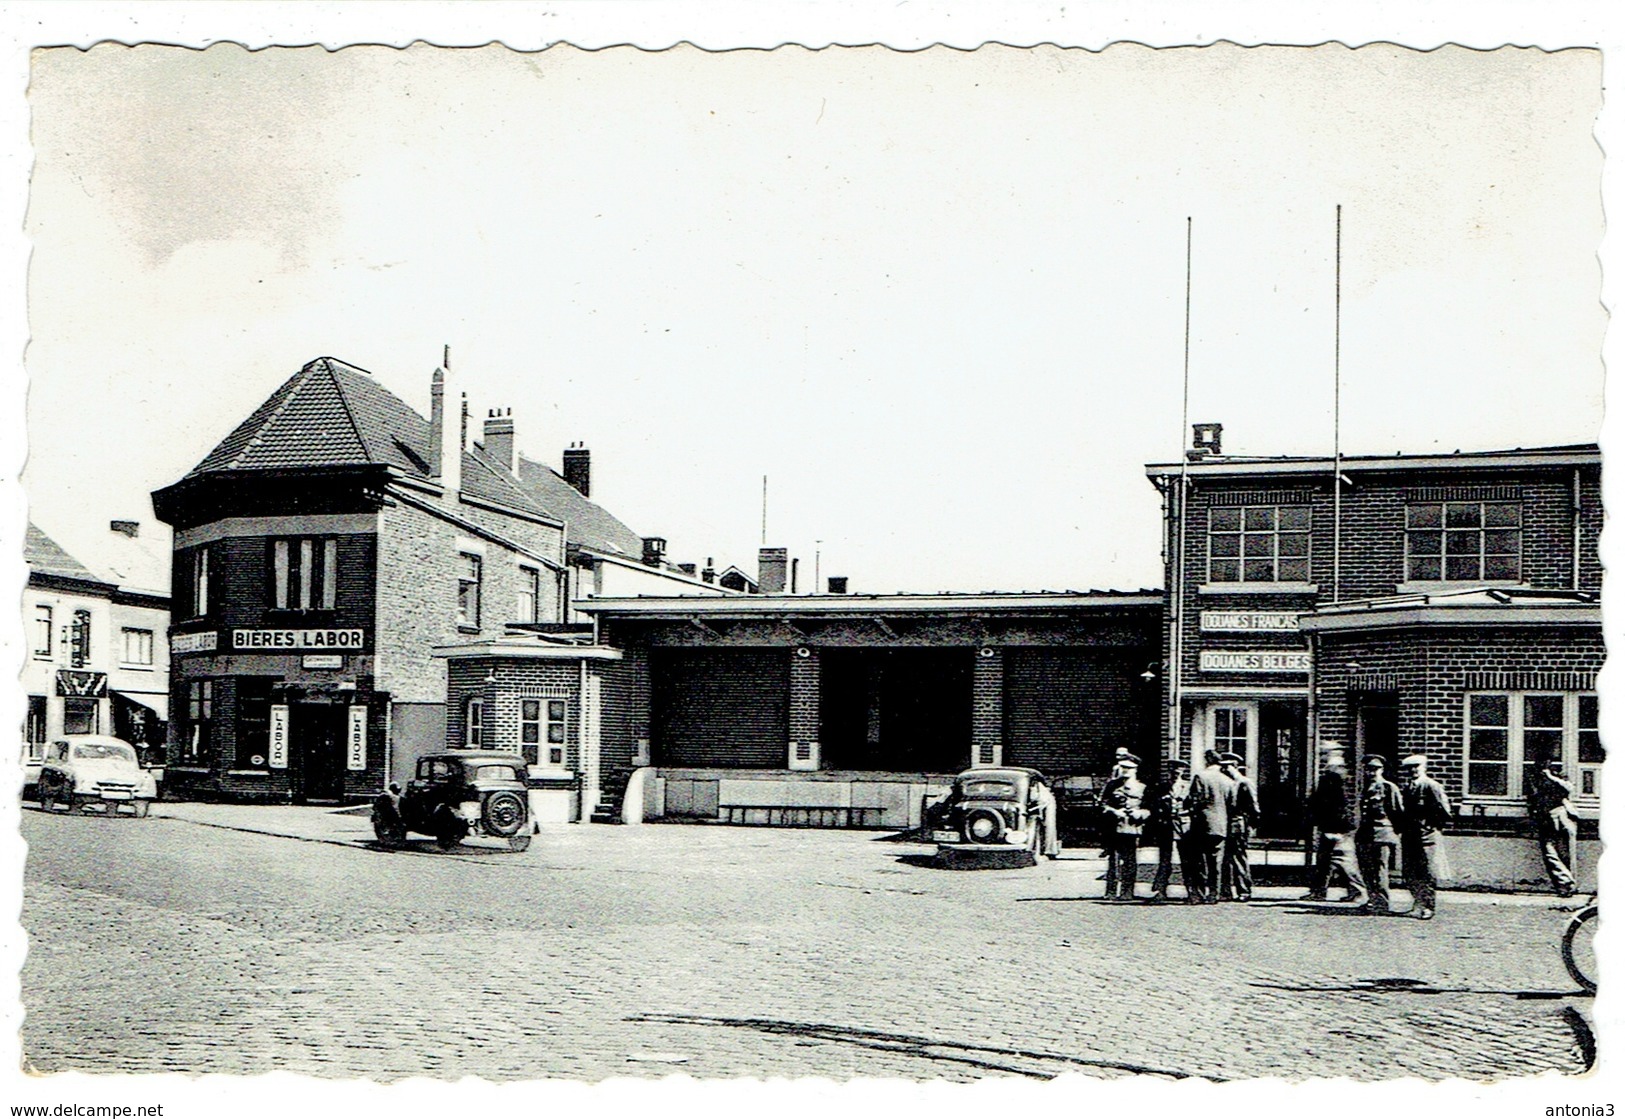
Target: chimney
[132, 529]
[709, 573]
[654, 550]
[446, 440]
[578, 468]
[795, 570]
[837, 584]
[499, 436]
[772, 565]
[1205, 441]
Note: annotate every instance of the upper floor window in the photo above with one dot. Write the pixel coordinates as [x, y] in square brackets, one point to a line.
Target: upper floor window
[1463, 541]
[530, 583]
[468, 590]
[304, 573]
[1258, 544]
[43, 633]
[79, 639]
[195, 573]
[137, 646]
[1511, 734]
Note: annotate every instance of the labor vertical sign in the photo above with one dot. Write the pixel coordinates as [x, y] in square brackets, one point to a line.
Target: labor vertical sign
[358, 738]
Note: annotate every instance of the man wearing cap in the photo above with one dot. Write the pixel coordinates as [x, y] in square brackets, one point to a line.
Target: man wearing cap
[1209, 804]
[1170, 826]
[1376, 840]
[1330, 815]
[1236, 875]
[1123, 802]
[1426, 811]
[1554, 821]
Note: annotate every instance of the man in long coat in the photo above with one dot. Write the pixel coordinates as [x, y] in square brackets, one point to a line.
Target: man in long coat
[1209, 802]
[1553, 817]
[1236, 876]
[1331, 816]
[1421, 832]
[1170, 827]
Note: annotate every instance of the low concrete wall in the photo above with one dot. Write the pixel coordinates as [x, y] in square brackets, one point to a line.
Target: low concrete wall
[1512, 863]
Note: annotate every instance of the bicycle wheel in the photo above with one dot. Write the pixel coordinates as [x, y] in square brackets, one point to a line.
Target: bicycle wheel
[1579, 948]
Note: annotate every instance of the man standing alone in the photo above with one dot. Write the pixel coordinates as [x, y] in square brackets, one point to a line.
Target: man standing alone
[1426, 812]
[1376, 840]
[1330, 815]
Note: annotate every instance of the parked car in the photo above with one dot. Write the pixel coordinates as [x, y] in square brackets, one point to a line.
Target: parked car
[455, 795]
[996, 812]
[99, 771]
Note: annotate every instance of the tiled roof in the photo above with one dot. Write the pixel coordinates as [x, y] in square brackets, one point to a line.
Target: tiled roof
[587, 524]
[334, 414]
[45, 556]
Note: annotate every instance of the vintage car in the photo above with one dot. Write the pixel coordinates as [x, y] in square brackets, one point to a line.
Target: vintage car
[84, 771]
[456, 795]
[995, 812]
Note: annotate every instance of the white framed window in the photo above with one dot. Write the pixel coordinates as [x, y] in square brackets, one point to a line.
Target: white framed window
[1258, 544]
[530, 585]
[468, 589]
[474, 722]
[35, 729]
[543, 727]
[137, 647]
[44, 638]
[199, 716]
[1508, 735]
[198, 596]
[79, 643]
[1463, 541]
[1228, 728]
[304, 573]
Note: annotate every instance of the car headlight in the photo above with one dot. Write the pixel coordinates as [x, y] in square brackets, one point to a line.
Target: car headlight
[469, 810]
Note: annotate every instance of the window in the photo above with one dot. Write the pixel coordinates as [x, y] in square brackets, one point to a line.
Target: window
[195, 575]
[1258, 544]
[137, 646]
[530, 583]
[1510, 734]
[468, 590]
[474, 722]
[199, 716]
[35, 728]
[79, 645]
[81, 716]
[1230, 731]
[304, 573]
[541, 728]
[1463, 541]
[42, 632]
[254, 721]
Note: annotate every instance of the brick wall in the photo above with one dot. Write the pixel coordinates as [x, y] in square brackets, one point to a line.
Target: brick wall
[804, 696]
[416, 602]
[515, 680]
[721, 707]
[987, 707]
[1066, 711]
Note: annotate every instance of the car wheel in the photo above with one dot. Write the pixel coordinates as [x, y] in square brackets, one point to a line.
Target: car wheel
[390, 835]
[503, 814]
[519, 842]
[448, 841]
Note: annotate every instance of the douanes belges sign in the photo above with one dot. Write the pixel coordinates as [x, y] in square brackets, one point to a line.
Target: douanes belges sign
[296, 639]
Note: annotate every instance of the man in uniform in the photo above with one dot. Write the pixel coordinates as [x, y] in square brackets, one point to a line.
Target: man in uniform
[1376, 840]
[1330, 815]
[1426, 812]
[1170, 826]
[1553, 817]
[1123, 803]
[1209, 805]
[1236, 876]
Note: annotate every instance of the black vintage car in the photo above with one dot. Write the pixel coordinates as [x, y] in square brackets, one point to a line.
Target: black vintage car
[456, 795]
[994, 812]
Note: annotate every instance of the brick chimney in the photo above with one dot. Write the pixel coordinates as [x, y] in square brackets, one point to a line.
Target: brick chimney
[708, 574]
[654, 550]
[578, 468]
[837, 584]
[446, 440]
[1205, 441]
[499, 436]
[772, 569]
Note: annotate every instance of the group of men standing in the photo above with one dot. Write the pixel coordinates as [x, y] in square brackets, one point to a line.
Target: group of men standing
[1207, 816]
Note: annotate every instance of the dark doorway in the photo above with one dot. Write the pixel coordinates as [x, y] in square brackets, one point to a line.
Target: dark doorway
[1281, 776]
[316, 731]
[1376, 729]
[897, 710]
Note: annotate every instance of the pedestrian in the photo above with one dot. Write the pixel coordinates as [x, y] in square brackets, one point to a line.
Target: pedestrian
[1236, 875]
[1426, 812]
[1170, 826]
[1331, 816]
[1376, 839]
[1124, 805]
[1209, 804]
[1554, 821]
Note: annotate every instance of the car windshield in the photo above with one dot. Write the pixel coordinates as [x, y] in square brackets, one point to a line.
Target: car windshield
[989, 789]
[495, 773]
[103, 750]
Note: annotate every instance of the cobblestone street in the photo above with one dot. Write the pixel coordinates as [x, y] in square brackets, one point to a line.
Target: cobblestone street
[203, 944]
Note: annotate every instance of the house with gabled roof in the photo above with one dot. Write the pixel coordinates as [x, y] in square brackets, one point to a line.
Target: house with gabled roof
[322, 550]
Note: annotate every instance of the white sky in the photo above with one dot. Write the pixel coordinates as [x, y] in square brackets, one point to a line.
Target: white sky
[936, 297]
